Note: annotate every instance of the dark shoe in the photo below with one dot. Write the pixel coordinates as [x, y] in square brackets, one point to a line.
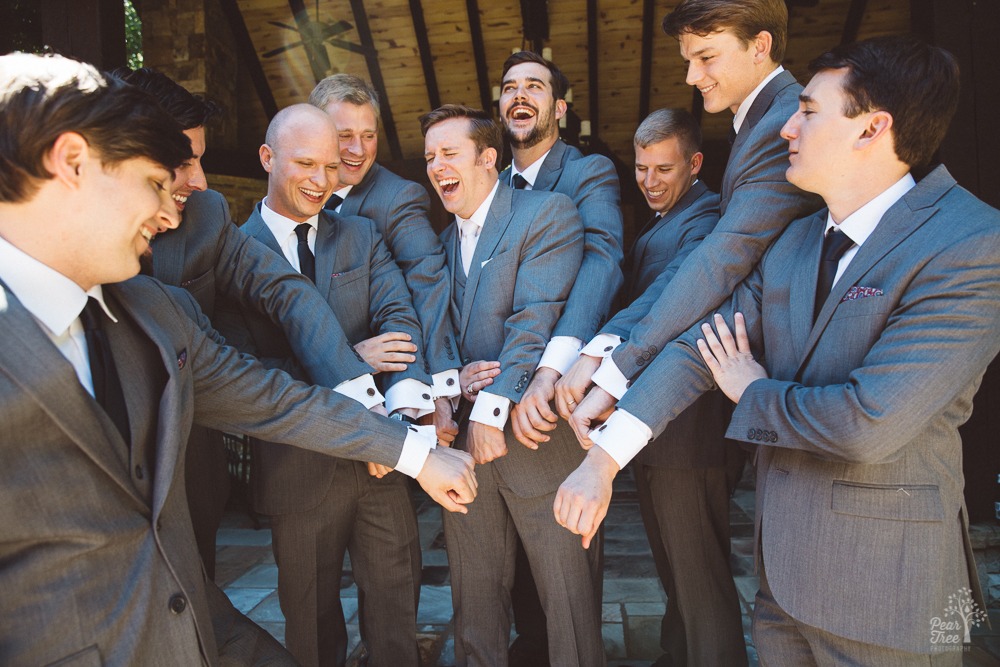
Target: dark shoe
[524, 654]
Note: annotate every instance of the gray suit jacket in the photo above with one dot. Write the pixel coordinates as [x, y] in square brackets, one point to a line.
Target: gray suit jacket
[696, 438]
[400, 210]
[527, 256]
[98, 559]
[209, 257]
[365, 291]
[757, 203]
[592, 183]
[860, 513]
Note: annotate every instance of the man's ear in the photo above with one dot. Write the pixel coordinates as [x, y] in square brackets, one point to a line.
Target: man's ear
[67, 158]
[561, 108]
[879, 126]
[696, 161]
[266, 157]
[489, 157]
[761, 46]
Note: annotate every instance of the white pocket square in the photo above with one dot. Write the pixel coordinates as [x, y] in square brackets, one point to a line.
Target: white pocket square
[486, 262]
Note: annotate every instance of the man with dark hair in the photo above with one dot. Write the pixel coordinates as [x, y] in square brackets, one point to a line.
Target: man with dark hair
[400, 210]
[686, 476]
[321, 507]
[875, 320]
[532, 100]
[513, 256]
[209, 257]
[98, 562]
[733, 51]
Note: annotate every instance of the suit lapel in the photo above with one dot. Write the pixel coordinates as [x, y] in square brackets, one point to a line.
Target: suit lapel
[452, 252]
[257, 228]
[497, 219]
[357, 195]
[551, 169]
[43, 373]
[802, 275]
[757, 110]
[326, 250]
[652, 226]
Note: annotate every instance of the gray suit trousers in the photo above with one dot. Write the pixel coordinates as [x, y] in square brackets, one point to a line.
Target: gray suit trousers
[379, 530]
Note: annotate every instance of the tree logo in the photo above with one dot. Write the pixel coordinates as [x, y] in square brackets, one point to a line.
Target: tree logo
[960, 616]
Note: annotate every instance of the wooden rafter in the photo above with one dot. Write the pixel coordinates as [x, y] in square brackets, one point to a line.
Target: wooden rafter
[248, 56]
[375, 72]
[479, 54]
[646, 66]
[426, 60]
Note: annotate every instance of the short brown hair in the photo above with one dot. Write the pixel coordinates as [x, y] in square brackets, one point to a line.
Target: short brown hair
[744, 18]
[43, 97]
[483, 130]
[664, 124]
[344, 88]
[560, 84]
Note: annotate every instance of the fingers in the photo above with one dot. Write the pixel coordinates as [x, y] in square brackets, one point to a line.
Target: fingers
[572, 387]
[580, 423]
[742, 339]
[484, 366]
[378, 470]
[379, 409]
[725, 336]
[521, 425]
[446, 433]
[567, 398]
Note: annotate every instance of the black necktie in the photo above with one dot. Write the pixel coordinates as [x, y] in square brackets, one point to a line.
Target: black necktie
[107, 386]
[835, 244]
[732, 135]
[333, 202]
[520, 182]
[307, 261]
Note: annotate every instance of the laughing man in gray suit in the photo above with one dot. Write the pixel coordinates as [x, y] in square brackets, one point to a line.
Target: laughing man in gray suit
[400, 210]
[323, 507]
[861, 523]
[101, 380]
[733, 52]
[512, 255]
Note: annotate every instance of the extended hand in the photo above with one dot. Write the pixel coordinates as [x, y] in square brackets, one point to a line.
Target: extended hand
[582, 500]
[730, 361]
[448, 478]
[571, 387]
[388, 352]
[485, 443]
[595, 408]
[475, 377]
[444, 424]
[532, 417]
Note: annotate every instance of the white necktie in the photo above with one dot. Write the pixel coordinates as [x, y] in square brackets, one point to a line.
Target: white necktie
[470, 234]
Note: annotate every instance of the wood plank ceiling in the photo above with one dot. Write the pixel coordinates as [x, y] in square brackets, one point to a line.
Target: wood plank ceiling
[421, 53]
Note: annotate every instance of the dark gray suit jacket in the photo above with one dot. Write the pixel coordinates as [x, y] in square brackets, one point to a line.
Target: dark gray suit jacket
[757, 203]
[365, 290]
[98, 556]
[528, 253]
[859, 476]
[208, 256]
[400, 210]
[592, 183]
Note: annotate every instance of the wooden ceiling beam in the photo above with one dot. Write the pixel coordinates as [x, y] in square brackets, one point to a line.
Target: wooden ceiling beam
[646, 60]
[375, 73]
[479, 55]
[852, 24]
[247, 55]
[424, 48]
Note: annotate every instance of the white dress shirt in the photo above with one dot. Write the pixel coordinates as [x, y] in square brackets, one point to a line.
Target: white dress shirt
[744, 108]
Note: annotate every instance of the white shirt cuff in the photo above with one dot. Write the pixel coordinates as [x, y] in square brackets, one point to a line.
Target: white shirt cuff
[362, 389]
[610, 379]
[603, 345]
[622, 436]
[409, 393]
[490, 409]
[446, 384]
[560, 353]
[419, 442]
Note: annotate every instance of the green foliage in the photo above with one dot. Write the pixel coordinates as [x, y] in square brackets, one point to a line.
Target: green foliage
[133, 36]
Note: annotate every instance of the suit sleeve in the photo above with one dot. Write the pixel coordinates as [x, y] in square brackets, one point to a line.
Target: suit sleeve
[696, 229]
[420, 256]
[549, 260]
[191, 308]
[600, 276]
[249, 273]
[761, 206]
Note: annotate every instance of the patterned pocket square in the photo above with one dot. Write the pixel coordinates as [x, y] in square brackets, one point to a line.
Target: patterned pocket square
[859, 292]
[182, 358]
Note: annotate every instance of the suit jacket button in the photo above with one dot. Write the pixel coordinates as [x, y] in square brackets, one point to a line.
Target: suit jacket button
[608, 348]
[450, 381]
[178, 603]
[496, 412]
[774, 436]
[652, 349]
[639, 361]
[370, 392]
[645, 355]
[426, 397]
[749, 434]
[758, 434]
[138, 472]
[628, 384]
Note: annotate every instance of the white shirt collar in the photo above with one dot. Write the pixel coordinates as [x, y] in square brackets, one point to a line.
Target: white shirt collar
[744, 108]
[281, 226]
[478, 218]
[344, 191]
[531, 172]
[52, 298]
[859, 225]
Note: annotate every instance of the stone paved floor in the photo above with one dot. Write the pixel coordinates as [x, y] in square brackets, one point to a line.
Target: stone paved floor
[633, 599]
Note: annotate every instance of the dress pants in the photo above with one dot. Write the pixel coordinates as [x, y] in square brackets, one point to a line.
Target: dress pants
[686, 516]
[481, 547]
[206, 481]
[373, 520]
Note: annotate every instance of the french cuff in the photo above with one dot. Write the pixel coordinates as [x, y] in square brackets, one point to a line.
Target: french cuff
[409, 393]
[417, 445]
[602, 345]
[622, 436]
[362, 389]
[610, 379]
[445, 384]
[560, 353]
[490, 409]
